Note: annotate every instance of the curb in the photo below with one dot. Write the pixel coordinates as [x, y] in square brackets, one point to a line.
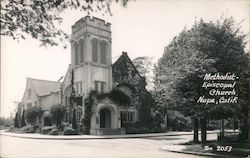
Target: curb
[88, 137]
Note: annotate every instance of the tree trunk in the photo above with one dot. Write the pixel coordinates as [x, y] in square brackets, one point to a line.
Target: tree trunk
[196, 129]
[244, 129]
[203, 130]
[234, 123]
[222, 129]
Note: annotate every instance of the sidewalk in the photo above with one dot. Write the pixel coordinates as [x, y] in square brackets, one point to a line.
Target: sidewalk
[80, 137]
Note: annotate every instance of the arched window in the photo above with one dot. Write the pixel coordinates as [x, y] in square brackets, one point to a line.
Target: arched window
[76, 53]
[81, 51]
[94, 50]
[103, 47]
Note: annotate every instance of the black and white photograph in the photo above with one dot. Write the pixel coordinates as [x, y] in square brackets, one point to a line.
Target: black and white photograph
[125, 79]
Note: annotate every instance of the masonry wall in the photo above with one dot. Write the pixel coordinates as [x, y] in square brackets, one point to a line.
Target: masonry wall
[48, 101]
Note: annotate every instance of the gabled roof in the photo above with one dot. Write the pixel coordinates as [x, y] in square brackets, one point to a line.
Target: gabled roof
[125, 58]
[124, 71]
[44, 87]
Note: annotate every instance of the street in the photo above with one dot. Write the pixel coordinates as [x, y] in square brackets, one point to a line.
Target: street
[13, 147]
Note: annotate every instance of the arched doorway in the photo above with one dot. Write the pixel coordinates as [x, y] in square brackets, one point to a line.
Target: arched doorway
[105, 118]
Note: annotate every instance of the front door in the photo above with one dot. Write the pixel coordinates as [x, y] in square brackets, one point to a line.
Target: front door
[105, 118]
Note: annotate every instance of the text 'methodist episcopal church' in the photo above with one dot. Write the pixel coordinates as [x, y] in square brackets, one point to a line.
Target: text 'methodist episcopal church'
[91, 69]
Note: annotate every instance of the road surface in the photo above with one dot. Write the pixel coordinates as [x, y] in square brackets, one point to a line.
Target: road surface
[13, 147]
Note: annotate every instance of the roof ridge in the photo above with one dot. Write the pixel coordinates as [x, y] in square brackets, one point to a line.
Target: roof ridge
[125, 54]
[43, 80]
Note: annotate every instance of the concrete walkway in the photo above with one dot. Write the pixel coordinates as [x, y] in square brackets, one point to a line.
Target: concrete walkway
[80, 137]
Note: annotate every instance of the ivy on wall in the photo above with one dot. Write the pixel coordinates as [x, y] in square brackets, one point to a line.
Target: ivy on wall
[88, 102]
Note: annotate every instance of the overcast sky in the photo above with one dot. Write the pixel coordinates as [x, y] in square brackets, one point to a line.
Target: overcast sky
[144, 28]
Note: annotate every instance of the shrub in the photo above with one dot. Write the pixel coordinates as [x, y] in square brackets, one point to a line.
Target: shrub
[65, 125]
[180, 124]
[69, 131]
[54, 132]
[12, 129]
[155, 130]
[28, 129]
[47, 129]
[6, 122]
[131, 130]
[141, 127]
[32, 113]
[74, 124]
[57, 112]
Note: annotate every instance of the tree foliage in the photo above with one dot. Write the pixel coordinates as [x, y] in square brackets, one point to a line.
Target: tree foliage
[23, 123]
[88, 102]
[32, 114]
[16, 120]
[144, 65]
[74, 124]
[40, 19]
[7, 122]
[205, 48]
[57, 113]
[116, 95]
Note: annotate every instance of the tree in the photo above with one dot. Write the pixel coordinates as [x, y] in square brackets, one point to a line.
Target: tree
[16, 121]
[145, 67]
[205, 48]
[40, 18]
[7, 122]
[32, 114]
[23, 123]
[74, 124]
[57, 114]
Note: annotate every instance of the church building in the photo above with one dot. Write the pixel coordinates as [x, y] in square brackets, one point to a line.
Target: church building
[91, 70]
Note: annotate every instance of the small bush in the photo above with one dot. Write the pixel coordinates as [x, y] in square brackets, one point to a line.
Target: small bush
[180, 124]
[28, 129]
[54, 132]
[47, 129]
[155, 130]
[65, 125]
[131, 130]
[12, 129]
[69, 131]
[141, 128]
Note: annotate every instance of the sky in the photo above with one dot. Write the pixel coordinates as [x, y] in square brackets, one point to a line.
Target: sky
[143, 28]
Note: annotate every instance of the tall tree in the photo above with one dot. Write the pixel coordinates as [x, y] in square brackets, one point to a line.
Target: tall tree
[16, 120]
[144, 65]
[57, 112]
[74, 124]
[23, 123]
[32, 114]
[205, 48]
[40, 18]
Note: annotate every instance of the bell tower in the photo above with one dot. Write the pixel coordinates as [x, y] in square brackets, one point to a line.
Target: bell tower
[91, 55]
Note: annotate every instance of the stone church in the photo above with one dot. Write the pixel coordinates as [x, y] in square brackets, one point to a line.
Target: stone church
[91, 70]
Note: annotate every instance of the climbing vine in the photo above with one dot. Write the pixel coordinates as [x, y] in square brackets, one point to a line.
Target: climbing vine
[88, 102]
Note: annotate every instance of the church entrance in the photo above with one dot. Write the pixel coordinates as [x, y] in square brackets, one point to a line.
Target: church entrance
[105, 118]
